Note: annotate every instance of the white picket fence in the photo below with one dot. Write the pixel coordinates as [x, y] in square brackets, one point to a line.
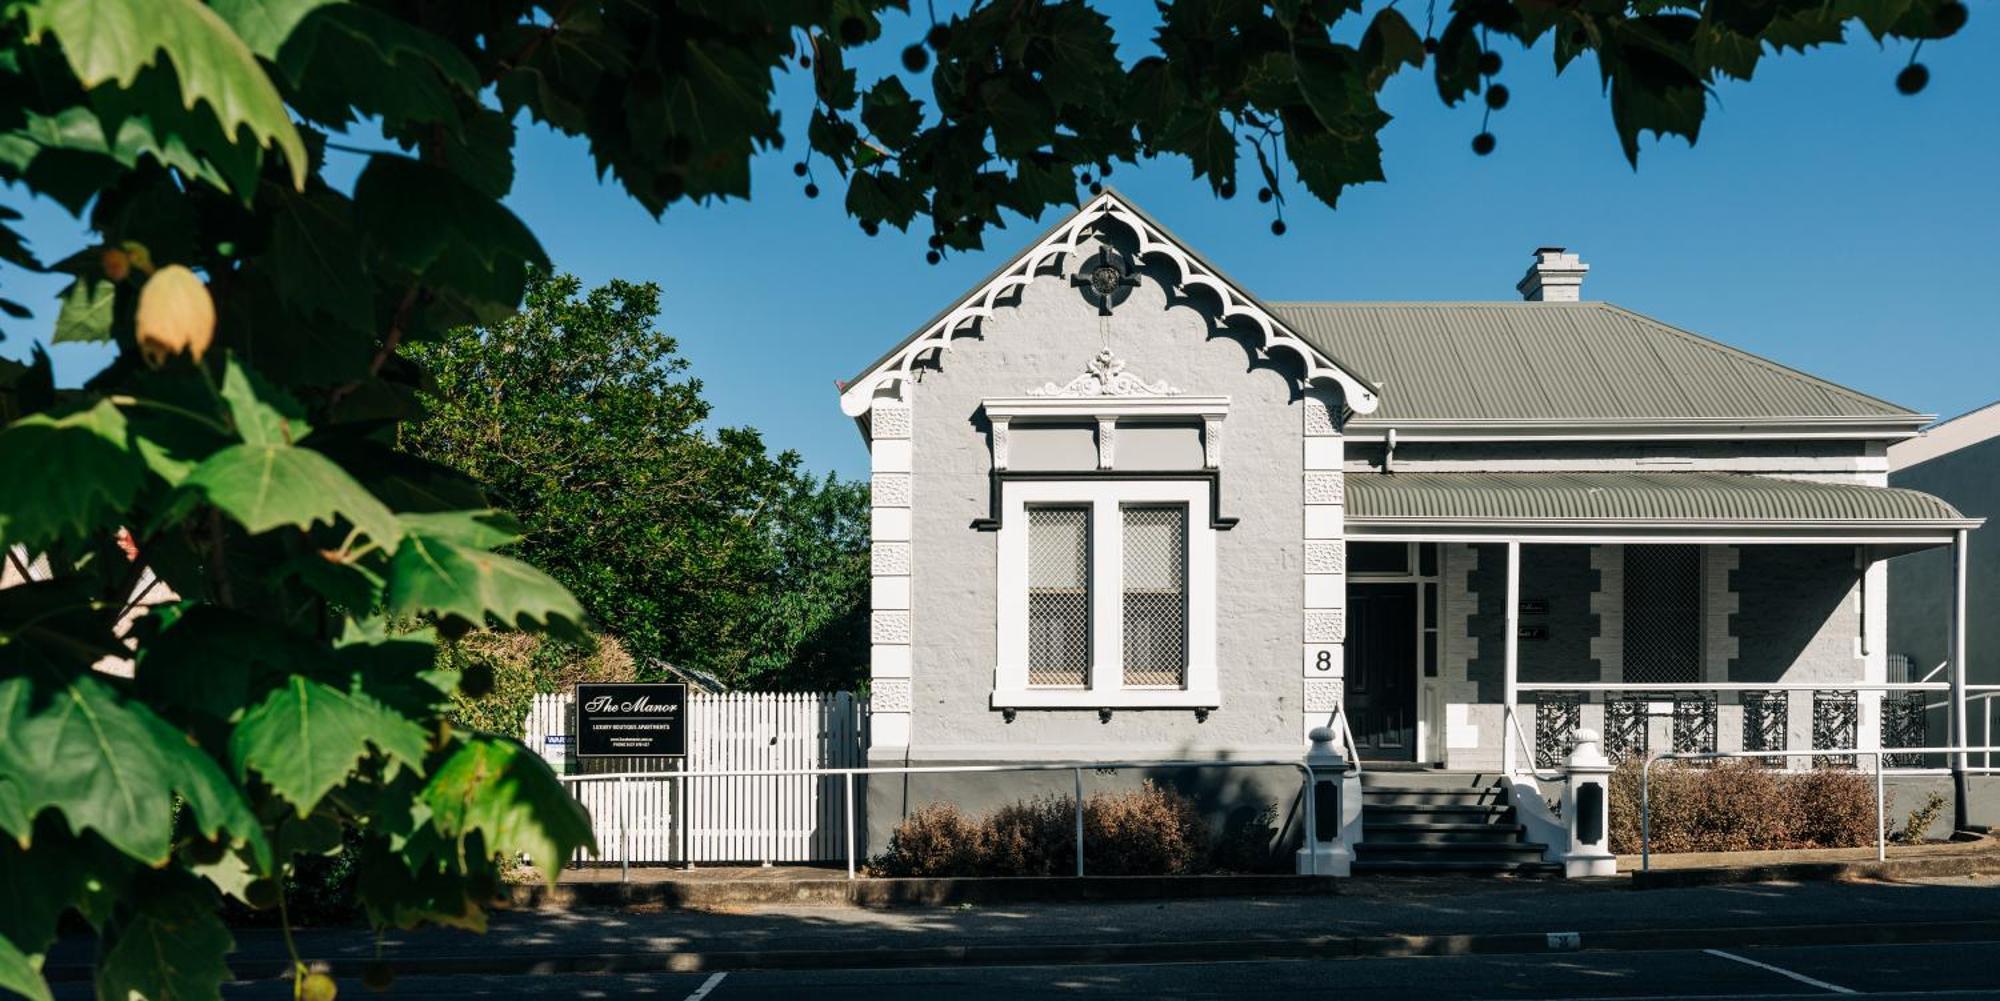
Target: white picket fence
[766, 819]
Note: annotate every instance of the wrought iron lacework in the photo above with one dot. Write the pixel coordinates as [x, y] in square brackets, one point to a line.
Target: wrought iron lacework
[1767, 723]
[1694, 723]
[1059, 596]
[1625, 719]
[1836, 724]
[1155, 596]
[1905, 723]
[1558, 715]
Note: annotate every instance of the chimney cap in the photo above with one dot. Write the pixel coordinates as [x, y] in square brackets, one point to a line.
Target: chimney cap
[1556, 276]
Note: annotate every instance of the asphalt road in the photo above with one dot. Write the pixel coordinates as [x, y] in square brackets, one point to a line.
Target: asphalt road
[1959, 970]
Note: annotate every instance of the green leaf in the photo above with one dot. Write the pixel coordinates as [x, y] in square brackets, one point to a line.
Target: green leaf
[100, 476]
[306, 737]
[437, 227]
[890, 113]
[113, 767]
[507, 794]
[112, 40]
[263, 413]
[443, 577]
[22, 973]
[171, 949]
[85, 314]
[267, 486]
[488, 529]
[316, 260]
[265, 24]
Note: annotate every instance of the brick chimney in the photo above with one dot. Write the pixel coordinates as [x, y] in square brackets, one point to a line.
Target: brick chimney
[1556, 276]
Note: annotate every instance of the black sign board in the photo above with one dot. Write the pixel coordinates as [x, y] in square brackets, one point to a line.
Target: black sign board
[1534, 606]
[1534, 632]
[631, 720]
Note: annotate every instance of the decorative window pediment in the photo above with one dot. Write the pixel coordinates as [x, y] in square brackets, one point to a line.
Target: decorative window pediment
[1105, 375]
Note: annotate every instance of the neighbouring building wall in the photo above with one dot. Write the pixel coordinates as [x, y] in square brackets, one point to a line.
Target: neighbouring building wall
[1920, 584]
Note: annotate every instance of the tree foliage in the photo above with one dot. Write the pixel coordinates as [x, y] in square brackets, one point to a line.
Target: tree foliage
[243, 441]
[692, 546]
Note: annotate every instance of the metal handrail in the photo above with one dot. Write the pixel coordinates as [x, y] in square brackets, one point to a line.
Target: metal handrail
[1347, 741]
[1740, 686]
[847, 775]
[1513, 721]
[1878, 754]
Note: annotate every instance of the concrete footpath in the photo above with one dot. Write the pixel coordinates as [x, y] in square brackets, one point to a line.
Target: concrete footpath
[1376, 916]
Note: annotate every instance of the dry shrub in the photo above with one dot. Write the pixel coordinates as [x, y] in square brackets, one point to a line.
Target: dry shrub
[935, 840]
[1737, 806]
[1148, 831]
[1034, 837]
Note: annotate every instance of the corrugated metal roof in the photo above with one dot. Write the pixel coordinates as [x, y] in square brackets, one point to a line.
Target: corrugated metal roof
[1678, 498]
[1557, 361]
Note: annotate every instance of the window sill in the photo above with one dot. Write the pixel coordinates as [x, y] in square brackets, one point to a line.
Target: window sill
[1130, 698]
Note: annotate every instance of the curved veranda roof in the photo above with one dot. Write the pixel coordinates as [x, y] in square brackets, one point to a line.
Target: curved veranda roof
[1718, 507]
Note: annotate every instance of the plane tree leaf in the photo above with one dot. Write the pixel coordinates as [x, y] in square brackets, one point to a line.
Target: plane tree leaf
[507, 794]
[114, 767]
[100, 475]
[270, 486]
[307, 737]
[111, 42]
[171, 948]
[437, 575]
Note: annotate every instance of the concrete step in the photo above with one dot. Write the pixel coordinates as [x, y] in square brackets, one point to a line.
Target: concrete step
[1428, 779]
[1398, 794]
[1437, 834]
[1437, 813]
[1524, 852]
[1403, 866]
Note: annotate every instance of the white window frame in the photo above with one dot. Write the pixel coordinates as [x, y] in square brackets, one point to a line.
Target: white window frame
[1106, 498]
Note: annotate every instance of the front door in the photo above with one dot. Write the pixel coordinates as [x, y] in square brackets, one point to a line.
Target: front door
[1382, 670]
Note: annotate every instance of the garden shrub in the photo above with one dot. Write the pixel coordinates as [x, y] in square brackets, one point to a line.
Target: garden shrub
[1918, 824]
[935, 840]
[1147, 831]
[1246, 841]
[1738, 806]
[1035, 837]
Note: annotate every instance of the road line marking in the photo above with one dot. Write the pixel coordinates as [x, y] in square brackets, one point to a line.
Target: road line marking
[1779, 970]
[706, 986]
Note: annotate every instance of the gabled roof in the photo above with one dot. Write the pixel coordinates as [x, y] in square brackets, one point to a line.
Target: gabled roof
[1063, 242]
[1561, 361]
[1946, 437]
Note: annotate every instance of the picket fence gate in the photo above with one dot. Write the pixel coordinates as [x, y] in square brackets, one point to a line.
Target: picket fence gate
[790, 818]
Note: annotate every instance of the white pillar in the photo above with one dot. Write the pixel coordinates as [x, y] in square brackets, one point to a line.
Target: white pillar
[1325, 849]
[1961, 733]
[1586, 809]
[1511, 685]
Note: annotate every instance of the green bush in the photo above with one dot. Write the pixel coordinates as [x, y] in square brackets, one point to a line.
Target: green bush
[1739, 806]
[1147, 831]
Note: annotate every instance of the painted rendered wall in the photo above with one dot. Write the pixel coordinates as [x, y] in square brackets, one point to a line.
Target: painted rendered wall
[1047, 334]
[1920, 585]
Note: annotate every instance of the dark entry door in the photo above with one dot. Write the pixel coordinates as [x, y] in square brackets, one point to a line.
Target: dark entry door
[1382, 670]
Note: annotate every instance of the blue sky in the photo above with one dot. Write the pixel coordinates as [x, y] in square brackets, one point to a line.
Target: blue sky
[1824, 220]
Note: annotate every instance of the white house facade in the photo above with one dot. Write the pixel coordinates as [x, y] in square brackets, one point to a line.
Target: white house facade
[1125, 510]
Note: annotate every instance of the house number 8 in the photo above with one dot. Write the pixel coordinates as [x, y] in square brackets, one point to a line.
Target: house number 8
[1324, 661]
